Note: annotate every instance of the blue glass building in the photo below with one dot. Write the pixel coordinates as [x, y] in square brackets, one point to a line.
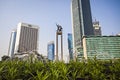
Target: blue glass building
[70, 45]
[12, 43]
[50, 51]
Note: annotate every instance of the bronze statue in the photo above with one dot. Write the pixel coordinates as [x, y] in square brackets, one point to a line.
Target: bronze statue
[59, 27]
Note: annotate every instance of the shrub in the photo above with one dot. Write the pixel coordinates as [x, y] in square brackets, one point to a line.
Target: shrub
[90, 70]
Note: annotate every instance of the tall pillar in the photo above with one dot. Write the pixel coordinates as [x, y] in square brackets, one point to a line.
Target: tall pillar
[59, 32]
[61, 48]
[56, 46]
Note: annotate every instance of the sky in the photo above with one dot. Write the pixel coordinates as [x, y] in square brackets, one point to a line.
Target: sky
[47, 13]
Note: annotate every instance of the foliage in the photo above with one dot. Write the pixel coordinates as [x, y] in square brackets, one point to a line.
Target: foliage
[38, 70]
[5, 57]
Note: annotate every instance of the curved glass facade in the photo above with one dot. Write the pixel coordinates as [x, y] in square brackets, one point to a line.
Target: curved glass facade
[12, 44]
[70, 46]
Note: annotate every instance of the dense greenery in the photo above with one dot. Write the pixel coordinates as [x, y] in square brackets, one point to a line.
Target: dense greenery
[90, 70]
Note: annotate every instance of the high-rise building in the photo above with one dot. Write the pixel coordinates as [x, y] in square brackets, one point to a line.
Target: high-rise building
[70, 46]
[12, 44]
[103, 47]
[97, 28]
[81, 22]
[26, 38]
[50, 51]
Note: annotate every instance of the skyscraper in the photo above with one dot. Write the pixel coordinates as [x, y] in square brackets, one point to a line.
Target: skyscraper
[81, 21]
[70, 46]
[12, 44]
[50, 51]
[26, 38]
[97, 28]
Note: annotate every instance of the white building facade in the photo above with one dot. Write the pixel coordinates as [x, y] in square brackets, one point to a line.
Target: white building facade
[26, 38]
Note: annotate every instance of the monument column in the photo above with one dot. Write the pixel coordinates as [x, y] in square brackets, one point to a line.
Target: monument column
[56, 46]
[59, 32]
[61, 47]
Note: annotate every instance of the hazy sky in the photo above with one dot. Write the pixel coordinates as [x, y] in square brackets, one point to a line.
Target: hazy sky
[46, 13]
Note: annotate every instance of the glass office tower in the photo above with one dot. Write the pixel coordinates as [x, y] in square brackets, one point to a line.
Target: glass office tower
[81, 21]
[50, 51]
[12, 44]
[103, 47]
[70, 46]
